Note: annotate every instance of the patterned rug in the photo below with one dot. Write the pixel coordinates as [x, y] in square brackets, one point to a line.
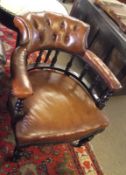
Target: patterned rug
[60, 159]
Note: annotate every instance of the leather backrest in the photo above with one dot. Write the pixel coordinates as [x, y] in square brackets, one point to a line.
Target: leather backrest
[48, 30]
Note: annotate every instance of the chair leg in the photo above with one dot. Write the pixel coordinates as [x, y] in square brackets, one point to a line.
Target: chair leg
[78, 143]
[17, 154]
[75, 143]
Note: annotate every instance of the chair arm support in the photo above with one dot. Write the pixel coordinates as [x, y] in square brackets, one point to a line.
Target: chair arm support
[21, 86]
[103, 70]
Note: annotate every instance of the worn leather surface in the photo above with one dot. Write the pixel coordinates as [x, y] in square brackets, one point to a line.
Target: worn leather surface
[60, 110]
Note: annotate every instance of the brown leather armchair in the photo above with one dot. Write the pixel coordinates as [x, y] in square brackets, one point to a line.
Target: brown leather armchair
[57, 100]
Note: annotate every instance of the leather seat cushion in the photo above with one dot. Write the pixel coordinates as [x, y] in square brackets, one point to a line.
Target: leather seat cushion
[59, 110]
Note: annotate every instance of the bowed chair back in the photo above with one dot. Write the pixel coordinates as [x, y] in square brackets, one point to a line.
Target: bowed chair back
[56, 97]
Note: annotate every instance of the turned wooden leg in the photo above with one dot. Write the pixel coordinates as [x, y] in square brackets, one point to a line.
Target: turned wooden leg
[17, 154]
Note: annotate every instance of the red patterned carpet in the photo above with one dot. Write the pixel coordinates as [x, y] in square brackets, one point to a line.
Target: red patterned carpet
[60, 159]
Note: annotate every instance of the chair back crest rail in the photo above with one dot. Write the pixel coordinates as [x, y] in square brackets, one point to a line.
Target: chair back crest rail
[57, 35]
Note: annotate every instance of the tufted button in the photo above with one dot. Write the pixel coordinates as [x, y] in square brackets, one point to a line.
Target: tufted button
[54, 36]
[67, 38]
[62, 25]
[48, 21]
[41, 37]
[74, 27]
[35, 24]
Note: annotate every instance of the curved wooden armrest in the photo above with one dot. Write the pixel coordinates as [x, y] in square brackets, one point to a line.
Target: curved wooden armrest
[103, 70]
[21, 86]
